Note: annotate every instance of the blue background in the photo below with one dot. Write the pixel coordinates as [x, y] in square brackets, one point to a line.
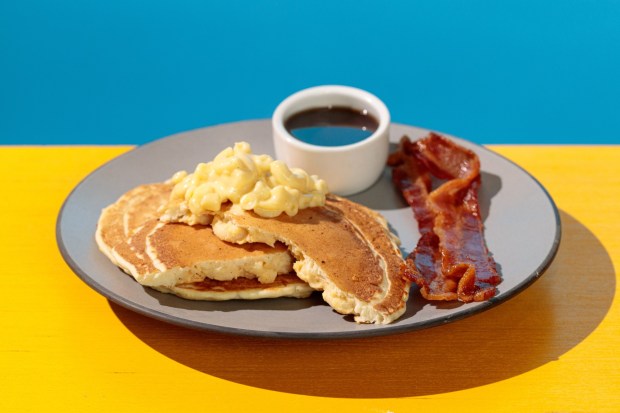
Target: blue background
[110, 72]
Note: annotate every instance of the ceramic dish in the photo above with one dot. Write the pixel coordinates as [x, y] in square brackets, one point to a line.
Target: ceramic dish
[521, 220]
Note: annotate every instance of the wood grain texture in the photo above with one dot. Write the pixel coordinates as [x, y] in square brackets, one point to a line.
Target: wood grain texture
[551, 348]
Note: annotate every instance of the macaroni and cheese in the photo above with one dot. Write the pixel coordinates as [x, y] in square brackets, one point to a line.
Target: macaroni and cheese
[251, 182]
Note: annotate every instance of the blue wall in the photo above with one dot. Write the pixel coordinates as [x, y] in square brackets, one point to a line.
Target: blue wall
[128, 72]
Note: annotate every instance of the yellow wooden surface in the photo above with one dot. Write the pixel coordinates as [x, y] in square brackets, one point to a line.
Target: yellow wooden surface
[553, 348]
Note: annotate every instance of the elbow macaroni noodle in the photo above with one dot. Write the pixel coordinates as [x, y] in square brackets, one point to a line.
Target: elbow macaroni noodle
[253, 182]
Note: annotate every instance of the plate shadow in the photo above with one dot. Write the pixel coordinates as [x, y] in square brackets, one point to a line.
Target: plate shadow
[543, 322]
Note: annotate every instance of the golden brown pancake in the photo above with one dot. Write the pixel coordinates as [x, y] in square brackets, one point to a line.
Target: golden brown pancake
[120, 220]
[285, 285]
[172, 257]
[161, 254]
[344, 249]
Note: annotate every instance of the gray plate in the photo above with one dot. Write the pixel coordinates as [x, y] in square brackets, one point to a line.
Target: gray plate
[522, 231]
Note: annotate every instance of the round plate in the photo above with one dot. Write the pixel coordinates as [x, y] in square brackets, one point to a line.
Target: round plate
[522, 230]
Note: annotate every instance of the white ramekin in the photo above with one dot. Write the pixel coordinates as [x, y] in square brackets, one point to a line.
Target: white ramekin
[347, 169]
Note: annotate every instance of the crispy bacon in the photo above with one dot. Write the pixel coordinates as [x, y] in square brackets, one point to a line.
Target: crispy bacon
[451, 260]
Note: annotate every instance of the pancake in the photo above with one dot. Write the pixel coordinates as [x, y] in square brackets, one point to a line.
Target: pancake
[189, 260]
[122, 219]
[343, 249]
[161, 254]
[284, 285]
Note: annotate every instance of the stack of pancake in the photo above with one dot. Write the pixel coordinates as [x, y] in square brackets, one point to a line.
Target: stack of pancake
[190, 261]
[343, 249]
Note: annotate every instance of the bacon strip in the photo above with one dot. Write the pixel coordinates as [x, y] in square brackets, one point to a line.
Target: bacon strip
[451, 261]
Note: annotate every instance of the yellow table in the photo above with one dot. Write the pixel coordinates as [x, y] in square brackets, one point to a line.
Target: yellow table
[553, 348]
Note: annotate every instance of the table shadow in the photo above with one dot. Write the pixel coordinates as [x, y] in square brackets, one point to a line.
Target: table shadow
[526, 332]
